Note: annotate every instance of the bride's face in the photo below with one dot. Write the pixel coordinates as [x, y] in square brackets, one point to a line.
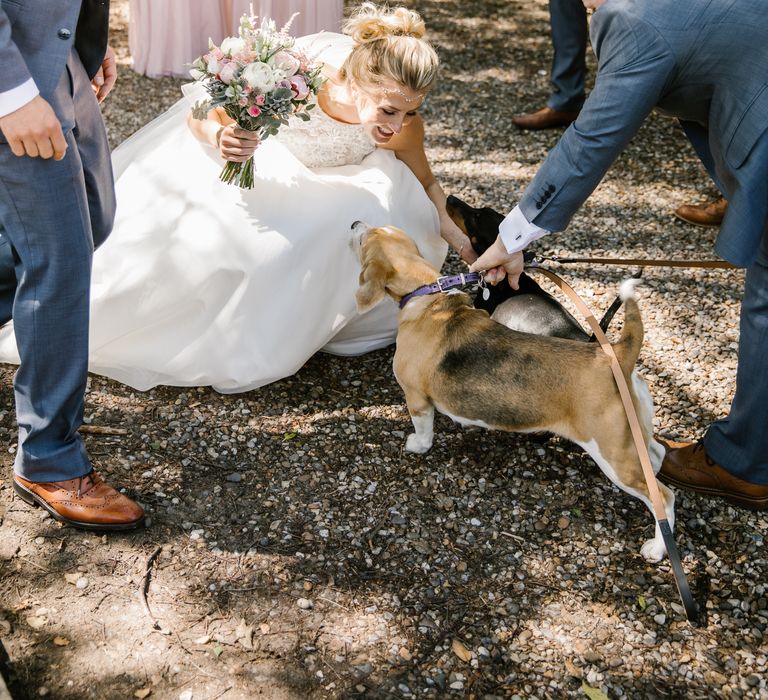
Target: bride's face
[385, 108]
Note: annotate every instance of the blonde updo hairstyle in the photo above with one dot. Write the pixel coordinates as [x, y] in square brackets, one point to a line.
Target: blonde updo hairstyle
[389, 44]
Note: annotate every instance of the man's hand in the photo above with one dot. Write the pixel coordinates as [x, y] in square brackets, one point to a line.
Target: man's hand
[105, 78]
[34, 130]
[499, 263]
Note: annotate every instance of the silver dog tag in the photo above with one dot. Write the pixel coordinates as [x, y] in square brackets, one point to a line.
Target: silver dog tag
[486, 293]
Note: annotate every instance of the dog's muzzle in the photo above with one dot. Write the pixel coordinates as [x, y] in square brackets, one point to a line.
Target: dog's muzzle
[359, 229]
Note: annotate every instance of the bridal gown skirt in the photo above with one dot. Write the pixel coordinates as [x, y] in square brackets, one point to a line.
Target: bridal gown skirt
[203, 283]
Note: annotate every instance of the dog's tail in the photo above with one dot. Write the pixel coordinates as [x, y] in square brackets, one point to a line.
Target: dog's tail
[627, 348]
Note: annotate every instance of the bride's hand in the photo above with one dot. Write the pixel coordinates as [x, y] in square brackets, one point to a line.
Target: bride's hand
[236, 144]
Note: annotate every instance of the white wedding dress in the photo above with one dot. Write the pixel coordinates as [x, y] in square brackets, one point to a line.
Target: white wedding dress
[204, 283]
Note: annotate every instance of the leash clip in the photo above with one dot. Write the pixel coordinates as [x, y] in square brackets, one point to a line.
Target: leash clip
[486, 293]
[532, 259]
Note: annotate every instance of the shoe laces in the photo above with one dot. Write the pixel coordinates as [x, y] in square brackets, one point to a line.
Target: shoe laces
[699, 447]
[94, 479]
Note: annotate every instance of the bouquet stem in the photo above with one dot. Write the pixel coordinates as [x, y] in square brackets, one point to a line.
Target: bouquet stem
[240, 174]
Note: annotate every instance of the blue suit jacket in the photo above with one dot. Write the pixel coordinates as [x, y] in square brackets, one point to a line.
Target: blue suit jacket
[36, 37]
[702, 61]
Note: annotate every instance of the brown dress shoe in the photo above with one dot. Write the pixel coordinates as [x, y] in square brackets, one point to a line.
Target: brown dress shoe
[687, 466]
[544, 118]
[703, 214]
[86, 502]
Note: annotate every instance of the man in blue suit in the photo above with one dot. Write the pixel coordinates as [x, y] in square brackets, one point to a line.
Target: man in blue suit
[56, 201]
[678, 56]
[568, 24]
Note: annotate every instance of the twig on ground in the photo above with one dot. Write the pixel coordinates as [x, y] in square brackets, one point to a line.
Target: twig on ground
[102, 430]
[145, 586]
[226, 690]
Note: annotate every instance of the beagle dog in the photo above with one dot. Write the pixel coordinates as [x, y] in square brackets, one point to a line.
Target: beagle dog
[454, 358]
[529, 308]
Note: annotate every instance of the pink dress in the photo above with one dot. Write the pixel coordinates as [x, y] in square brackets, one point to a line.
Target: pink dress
[165, 36]
[314, 15]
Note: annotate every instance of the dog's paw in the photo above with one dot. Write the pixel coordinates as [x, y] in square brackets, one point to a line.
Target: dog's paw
[418, 444]
[654, 550]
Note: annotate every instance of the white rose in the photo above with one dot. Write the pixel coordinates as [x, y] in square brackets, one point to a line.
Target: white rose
[259, 76]
[232, 45]
[213, 65]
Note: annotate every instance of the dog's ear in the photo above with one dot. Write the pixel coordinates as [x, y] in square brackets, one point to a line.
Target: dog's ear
[373, 282]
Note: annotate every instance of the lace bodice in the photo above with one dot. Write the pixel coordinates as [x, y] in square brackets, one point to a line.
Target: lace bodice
[324, 142]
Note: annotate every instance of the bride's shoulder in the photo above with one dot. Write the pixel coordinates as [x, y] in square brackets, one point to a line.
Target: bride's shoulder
[327, 47]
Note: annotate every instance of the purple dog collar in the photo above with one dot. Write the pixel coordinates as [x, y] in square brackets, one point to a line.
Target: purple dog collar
[443, 284]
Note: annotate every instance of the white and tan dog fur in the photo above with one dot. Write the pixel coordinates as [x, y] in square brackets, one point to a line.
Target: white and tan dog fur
[454, 358]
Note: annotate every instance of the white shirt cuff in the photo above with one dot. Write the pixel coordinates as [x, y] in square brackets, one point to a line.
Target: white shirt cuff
[14, 99]
[516, 233]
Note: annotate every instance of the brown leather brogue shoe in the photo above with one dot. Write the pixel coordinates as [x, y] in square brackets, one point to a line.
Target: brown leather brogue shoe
[86, 502]
[703, 214]
[687, 466]
[544, 118]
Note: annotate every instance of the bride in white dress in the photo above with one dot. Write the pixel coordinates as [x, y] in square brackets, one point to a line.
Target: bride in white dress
[204, 283]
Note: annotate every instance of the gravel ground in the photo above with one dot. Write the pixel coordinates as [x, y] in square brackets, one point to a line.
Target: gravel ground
[295, 550]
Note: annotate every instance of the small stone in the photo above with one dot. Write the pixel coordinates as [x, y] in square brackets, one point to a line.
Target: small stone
[305, 603]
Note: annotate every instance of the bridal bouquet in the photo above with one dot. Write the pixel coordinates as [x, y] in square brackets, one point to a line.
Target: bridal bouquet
[259, 79]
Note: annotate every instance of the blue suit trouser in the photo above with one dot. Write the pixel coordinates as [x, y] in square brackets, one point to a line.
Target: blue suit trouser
[50, 214]
[570, 36]
[739, 443]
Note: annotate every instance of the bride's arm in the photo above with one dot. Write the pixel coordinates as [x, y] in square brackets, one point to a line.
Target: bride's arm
[223, 134]
[408, 146]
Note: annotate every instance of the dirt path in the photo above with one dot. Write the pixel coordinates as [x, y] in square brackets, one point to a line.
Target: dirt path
[295, 551]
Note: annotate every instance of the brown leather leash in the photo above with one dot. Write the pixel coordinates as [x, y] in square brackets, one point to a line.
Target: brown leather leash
[642, 262]
[690, 605]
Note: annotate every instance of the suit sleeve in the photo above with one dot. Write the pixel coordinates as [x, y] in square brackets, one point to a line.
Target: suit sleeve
[15, 71]
[634, 64]
[16, 84]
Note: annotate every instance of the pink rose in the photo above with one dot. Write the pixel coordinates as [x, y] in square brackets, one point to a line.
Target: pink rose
[299, 87]
[260, 99]
[286, 62]
[227, 72]
[254, 111]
